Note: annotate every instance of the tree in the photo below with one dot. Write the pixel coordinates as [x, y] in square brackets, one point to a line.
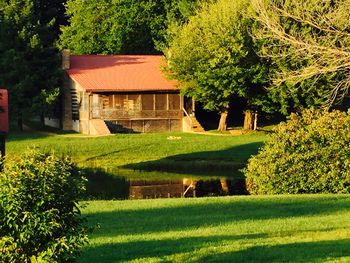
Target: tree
[307, 154]
[29, 63]
[121, 26]
[308, 43]
[53, 12]
[40, 219]
[177, 13]
[213, 57]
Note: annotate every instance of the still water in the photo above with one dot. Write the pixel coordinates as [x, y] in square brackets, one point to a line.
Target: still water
[129, 184]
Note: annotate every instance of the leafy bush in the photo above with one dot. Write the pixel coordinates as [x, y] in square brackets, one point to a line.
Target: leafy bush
[308, 154]
[40, 220]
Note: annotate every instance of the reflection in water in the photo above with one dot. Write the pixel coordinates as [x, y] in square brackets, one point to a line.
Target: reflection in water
[186, 188]
[155, 189]
[104, 185]
[211, 188]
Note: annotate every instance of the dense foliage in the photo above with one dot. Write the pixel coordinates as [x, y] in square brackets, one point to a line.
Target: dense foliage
[40, 220]
[307, 43]
[29, 63]
[308, 154]
[212, 51]
[213, 57]
[122, 26]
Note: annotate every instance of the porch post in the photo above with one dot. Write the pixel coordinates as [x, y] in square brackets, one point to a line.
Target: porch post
[181, 103]
[90, 110]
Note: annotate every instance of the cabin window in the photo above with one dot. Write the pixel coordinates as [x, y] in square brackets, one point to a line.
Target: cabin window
[104, 101]
[174, 102]
[161, 101]
[147, 102]
[134, 103]
[119, 101]
[111, 101]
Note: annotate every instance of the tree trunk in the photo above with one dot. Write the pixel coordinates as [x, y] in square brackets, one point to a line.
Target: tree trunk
[223, 118]
[248, 120]
[42, 119]
[255, 121]
[20, 122]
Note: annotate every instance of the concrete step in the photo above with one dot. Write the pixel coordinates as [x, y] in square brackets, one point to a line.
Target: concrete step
[196, 126]
[98, 127]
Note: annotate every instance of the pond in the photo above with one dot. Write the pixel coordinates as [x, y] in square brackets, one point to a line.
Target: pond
[186, 187]
[134, 184]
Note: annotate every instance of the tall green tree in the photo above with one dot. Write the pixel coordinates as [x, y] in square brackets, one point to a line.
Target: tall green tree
[29, 63]
[122, 26]
[176, 13]
[53, 12]
[213, 57]
[308, 43]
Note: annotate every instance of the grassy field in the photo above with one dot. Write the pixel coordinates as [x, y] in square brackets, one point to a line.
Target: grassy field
[178, 154]
[226, 229]
[308, 228]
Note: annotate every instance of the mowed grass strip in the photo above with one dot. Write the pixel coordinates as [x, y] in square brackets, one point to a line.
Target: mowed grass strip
[304, 228]
[190, 153]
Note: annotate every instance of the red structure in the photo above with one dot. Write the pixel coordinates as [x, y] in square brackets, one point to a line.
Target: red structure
[4, 119]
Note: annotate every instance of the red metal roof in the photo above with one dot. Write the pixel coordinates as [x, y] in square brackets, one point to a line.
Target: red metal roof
[119, 73]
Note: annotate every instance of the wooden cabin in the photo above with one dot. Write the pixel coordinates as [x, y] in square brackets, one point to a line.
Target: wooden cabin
[104, 94]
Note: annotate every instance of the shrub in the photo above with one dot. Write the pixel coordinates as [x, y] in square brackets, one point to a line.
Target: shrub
[40, 220]
[308, 154]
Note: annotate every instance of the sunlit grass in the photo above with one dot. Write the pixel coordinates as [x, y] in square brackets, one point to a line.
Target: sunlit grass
[226, 229]
[191, 153]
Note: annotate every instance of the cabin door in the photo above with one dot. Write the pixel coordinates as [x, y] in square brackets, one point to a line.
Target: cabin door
[95, 106]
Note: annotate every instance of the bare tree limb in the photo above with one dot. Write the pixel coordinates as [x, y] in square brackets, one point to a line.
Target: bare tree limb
[312, 37]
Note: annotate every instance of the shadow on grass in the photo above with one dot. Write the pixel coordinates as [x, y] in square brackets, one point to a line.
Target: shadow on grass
[319, 251]
[224, 163]
[212, 212]
[111, 153]
[25, 135]
[155, 248]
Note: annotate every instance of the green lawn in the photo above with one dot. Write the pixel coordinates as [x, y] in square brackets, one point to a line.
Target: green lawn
[308, 228]
[126, 154]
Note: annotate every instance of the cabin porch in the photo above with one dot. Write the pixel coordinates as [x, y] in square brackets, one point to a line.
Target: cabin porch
[138, 112]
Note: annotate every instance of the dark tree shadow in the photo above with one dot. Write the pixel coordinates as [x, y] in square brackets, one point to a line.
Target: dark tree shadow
[155, 248]
[318, 251]
[200, 215]
[177, 218]
[25, 135]
[223, 163]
